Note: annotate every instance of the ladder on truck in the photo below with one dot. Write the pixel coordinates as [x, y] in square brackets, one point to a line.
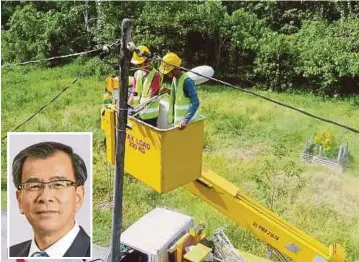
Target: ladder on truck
[224, 249]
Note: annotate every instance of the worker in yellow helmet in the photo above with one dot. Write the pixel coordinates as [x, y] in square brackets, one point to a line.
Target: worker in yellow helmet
[146, 84]
[184, 102]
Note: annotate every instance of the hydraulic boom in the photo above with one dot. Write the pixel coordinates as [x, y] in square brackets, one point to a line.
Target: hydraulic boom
[263, 223]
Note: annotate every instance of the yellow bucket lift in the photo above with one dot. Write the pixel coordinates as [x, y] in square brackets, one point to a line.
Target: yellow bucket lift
[166, 159]
[163, 159]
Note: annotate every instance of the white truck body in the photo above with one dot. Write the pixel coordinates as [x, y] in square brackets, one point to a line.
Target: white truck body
[154, 233]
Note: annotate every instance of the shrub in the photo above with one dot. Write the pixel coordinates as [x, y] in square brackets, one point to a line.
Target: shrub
[274, 61]
[325, 140]
[328, 54]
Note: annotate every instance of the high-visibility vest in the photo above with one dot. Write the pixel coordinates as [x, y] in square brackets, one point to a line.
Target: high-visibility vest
[138, 88]
[179, 104]
[152, 109]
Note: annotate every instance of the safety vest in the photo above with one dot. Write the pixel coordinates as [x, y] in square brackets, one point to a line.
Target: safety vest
[138, 88]
[179, 104]
[143, 95]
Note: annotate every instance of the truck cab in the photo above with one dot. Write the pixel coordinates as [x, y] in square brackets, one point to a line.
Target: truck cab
[150, 238]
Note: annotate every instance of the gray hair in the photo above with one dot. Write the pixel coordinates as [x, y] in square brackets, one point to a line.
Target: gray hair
[44, 150]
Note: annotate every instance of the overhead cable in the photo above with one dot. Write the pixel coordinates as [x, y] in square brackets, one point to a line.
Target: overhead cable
[104, 48]
[266, 98]
[52, 100]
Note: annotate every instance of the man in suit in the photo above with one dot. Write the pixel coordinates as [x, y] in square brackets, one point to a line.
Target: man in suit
[50, 179]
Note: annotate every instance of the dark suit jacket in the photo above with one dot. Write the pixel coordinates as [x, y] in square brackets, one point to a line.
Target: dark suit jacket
[79, 248]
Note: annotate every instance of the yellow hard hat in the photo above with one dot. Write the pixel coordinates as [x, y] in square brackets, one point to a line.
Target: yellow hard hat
[169, 62]
[136, 59]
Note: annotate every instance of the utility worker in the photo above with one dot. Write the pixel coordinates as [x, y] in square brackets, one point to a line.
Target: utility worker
[146, 84]
[184, 102]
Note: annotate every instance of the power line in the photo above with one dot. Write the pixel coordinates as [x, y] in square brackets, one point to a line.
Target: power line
[52, 100]
[266, 98]
[187, 70]
[52, 58]
[104, 48]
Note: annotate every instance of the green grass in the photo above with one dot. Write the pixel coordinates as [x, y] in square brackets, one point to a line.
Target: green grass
[242, 134]
[3, 200]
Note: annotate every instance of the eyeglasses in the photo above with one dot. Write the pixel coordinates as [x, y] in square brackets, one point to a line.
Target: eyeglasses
[56, 184]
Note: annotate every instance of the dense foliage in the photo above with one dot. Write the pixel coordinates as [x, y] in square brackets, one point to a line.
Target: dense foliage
[312, 46]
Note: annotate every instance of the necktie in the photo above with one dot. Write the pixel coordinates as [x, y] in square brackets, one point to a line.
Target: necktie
[40, 254]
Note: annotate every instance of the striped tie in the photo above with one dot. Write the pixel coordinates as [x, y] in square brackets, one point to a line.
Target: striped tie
[40, 254]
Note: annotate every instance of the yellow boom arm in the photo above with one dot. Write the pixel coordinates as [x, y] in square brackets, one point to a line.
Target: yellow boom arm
[263, 223]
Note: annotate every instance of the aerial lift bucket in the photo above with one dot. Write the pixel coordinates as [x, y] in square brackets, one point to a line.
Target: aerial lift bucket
[163, 159]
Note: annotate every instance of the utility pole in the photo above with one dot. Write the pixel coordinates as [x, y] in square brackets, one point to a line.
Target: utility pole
[121, 138]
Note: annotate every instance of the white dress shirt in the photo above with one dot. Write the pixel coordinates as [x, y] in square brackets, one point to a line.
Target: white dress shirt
[59, 248]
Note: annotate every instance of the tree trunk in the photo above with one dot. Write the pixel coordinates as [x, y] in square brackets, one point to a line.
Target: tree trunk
[86, 17]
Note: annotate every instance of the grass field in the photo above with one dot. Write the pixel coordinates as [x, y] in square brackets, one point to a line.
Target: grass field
[246, 140]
